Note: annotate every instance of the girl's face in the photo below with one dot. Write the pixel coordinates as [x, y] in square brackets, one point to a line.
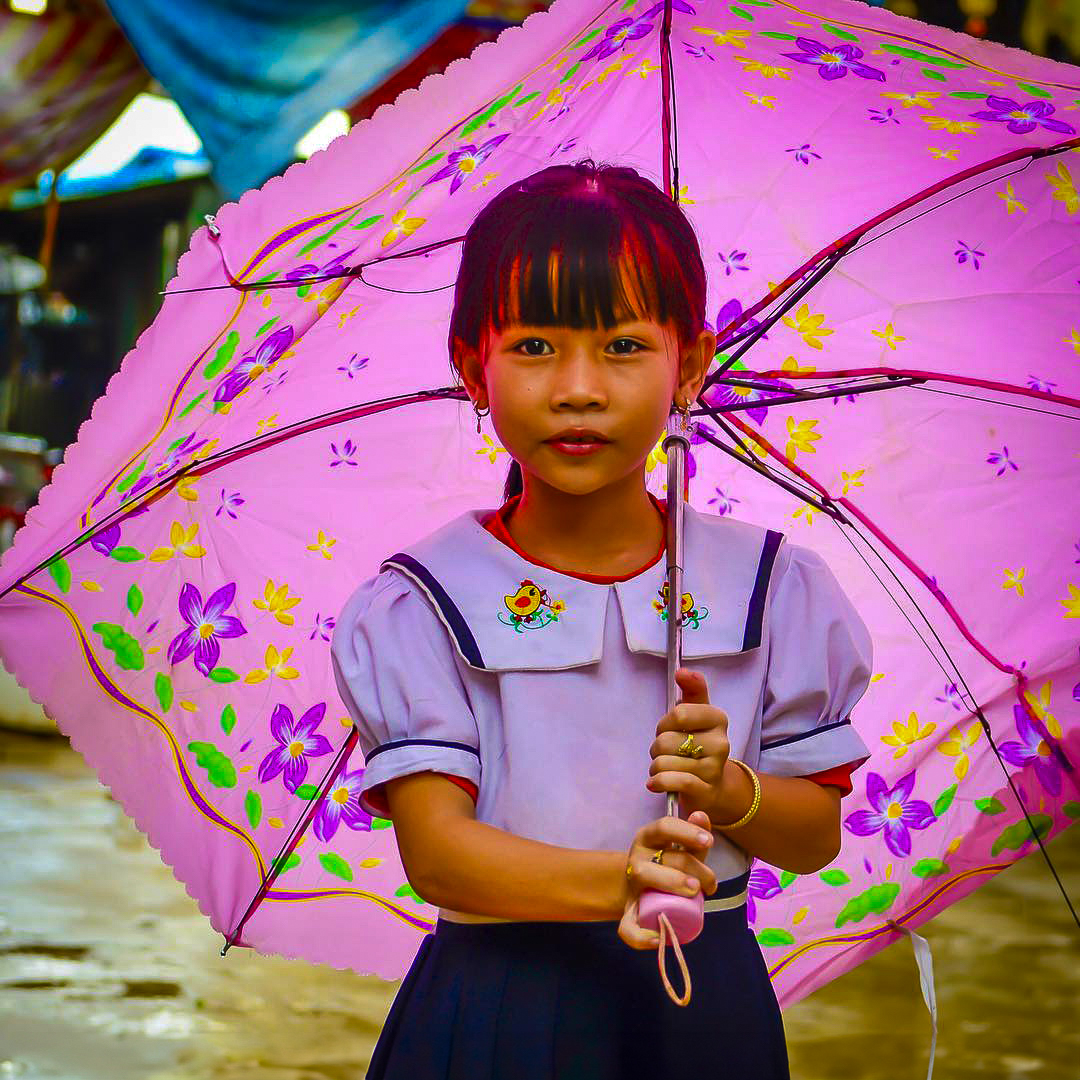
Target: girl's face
[620, 382]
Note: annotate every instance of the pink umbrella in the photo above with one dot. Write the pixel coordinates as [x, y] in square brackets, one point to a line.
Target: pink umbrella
[889, 216]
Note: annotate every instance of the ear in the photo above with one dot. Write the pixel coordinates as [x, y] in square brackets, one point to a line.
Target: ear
[471, 368]
[695, 363]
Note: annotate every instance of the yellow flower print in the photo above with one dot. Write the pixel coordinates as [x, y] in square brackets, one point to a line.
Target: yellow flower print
[888, 335]
[345, 316]
[265, 425]
[807, 510]
[657, 455]
[491, 449]
[1073, 339]
[735, 38]
[323, 544]
[766, 101]
[801, 436]
[906, 735]
[205, 451]
[1013, 579]
[1040, 706]
[1064, 188]
[1072, 603]
[684, 197]
[276, 664]
[758, 68]
[936, 151]
[276, 599]
[808, 326]
[957, 744]
[792, 365]
[645, 70]
[403, 226]
[921, 100]
[484, 181]
[850, 480]
[181, 541]
[1011, 201]
[951, 127]
[185, 488]
[329, 294]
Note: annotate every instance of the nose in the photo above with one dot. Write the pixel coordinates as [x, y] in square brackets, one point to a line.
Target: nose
[579, 381]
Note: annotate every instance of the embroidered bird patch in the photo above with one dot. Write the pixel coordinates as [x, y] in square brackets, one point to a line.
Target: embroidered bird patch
[691, 615]
[530, 608]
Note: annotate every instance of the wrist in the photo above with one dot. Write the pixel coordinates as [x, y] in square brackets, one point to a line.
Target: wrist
[736, 796]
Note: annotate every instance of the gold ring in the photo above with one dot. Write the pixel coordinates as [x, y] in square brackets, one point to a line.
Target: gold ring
[689, 748]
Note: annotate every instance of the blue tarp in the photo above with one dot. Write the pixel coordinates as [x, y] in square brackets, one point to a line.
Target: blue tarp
[254, 76]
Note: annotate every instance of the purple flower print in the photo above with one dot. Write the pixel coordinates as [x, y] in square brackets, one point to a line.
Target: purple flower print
[342, 803]
[1001, 457]
[296, 742]
[951, 697]
[733, 260]
[676, 5]
[698, 52]
[883, 116]
[894, 812]
[1043, 385]
[187, 445]
[724, 503]
[803, 153]
[464, 161]
[964, 252]
[228, 502]
[563, 147]
[763, 885]
[726, 316]
[352, 365]
[1032, 747]
[619, 34]
[323, 627]
[108, 538]
[1022, 118]
[252, 366]
[344, 456]
[301, 273]
[834, 61]
[205, 624]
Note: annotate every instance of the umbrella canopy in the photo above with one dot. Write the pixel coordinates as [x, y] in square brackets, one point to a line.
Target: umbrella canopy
[876, 215]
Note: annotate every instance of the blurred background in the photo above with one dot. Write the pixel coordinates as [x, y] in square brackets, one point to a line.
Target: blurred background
[121, 124]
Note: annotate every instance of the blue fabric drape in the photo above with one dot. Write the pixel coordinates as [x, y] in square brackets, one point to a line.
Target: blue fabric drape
[253, 76]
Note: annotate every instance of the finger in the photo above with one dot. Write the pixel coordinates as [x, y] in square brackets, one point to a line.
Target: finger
[671, 829]
[693, 716]
[633, 933]
[681, 782]
[693, 686]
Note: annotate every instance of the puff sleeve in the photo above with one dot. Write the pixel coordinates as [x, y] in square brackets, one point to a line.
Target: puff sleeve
[819, 665]
[395, 670]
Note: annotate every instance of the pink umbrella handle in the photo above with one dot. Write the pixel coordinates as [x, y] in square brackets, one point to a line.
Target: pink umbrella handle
[679, 917]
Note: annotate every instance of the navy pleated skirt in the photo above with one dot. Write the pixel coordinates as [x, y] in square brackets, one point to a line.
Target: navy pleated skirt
[572, 1001]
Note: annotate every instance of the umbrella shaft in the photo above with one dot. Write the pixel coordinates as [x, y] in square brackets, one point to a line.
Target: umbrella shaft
[675, 446]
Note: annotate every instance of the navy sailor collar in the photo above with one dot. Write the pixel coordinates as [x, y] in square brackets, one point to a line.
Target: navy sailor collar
[505, 613]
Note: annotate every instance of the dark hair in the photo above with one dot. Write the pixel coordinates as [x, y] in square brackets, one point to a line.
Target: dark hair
[625, 250]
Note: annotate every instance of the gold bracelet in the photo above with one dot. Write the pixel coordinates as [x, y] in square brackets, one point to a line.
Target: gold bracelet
[753, 805]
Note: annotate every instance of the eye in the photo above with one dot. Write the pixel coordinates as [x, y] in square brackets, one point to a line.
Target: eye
[526, 341]
[629, 341]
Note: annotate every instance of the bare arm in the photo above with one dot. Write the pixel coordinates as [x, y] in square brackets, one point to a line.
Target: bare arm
[454, 861]
[796, 827]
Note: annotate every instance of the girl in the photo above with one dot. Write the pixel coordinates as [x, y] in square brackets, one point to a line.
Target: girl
[506, 676]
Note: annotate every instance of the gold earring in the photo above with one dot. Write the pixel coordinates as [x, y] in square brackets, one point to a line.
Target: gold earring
[487, 409]
[684, 415]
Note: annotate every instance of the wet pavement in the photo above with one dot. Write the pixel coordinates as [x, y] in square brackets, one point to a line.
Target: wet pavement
[108, 971]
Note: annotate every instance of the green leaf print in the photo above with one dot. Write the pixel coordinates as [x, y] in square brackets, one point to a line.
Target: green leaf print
[874, 901]
[775, 35]
[223, 674]
[408, 890]
[266, 326]
[191, 405]
[121, 644]
[935, 75]
[1071, 810]
[164, 691]
[944, 800]
[126, 554]
[228, 719]
[925, 58]
[1031, 88]
[989, 806]
[132, 476]
[1015, 836]
[845, 34]
[336, 865]
[742, 13]
[972, 95]
[134, 599]
[587, 38]
[835, 877]
[253, 808]
[482, 118]
[369, 221]
[306, 792]
[786, 878]
[220, 771]
[774, 935]
[925, 868]
[526, 99]
[290, 862]
[415, 169]
[223, 356]
[381, 823]
[60, 572]
[569, 73]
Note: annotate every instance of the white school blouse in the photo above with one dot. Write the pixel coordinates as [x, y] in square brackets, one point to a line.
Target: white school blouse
[545, 690]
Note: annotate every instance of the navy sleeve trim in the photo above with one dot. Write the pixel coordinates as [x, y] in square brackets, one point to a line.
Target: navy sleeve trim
[756, 612]
[805, 734]
[420, 742]
[454, 620]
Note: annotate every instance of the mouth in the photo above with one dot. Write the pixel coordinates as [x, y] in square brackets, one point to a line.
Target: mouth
[577, 444]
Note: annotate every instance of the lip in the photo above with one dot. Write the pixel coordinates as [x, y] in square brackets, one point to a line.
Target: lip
[576, 448]
[577, 433]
